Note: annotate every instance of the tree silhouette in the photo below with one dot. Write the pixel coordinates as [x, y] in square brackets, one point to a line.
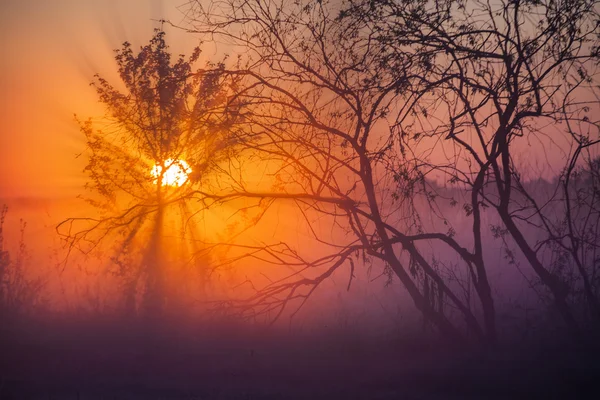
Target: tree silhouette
[498, 76]
[164, 134]
[316, 104]
[364, 102]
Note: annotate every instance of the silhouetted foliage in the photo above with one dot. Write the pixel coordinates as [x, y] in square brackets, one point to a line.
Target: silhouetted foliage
[20, 292]
[163, 113]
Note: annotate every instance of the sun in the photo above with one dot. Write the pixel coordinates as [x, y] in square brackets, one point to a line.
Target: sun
[176, 174]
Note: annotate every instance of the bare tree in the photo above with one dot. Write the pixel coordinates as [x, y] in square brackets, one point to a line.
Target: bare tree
[504, 78]
[573, 234]
[320, 95]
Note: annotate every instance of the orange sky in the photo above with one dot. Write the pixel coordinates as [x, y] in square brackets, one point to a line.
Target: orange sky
[50, 52]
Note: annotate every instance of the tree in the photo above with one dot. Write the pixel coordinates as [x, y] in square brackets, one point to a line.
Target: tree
[318, 94]
[363, 103]
[164, 134]
[499, 75]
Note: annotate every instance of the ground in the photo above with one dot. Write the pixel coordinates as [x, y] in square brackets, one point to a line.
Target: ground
[91, 360]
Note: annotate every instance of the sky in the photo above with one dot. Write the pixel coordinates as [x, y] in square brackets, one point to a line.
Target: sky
[50, 51]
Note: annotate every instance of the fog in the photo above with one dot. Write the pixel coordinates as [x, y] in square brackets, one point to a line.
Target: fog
[366, 340]
[279, 267]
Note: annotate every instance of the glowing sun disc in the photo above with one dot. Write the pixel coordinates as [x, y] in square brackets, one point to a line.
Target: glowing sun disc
[176, 173]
